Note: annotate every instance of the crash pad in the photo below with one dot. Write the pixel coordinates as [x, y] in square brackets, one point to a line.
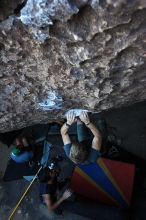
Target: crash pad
[108, 181]
[15, 171]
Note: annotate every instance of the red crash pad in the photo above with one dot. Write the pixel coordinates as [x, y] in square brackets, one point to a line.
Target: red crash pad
[107, 181]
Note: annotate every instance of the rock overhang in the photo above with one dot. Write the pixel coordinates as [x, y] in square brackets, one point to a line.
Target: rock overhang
[93, 58]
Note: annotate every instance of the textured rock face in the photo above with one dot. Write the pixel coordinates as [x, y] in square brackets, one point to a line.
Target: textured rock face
[8, 7]
[87, 54]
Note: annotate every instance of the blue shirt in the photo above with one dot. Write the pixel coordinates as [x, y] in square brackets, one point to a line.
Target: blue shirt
[23, 157]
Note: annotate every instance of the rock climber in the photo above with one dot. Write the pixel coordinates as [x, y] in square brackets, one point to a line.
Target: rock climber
[23, 150]
[50, 188]
[87, 148]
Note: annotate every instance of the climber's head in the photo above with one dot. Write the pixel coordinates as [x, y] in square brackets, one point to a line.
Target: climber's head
[78, 152]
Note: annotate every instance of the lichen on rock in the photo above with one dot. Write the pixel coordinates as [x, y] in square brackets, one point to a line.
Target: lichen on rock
[94, 57]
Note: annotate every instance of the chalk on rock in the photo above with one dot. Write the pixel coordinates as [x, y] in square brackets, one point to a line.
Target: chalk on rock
[53, 101]
[76, 111]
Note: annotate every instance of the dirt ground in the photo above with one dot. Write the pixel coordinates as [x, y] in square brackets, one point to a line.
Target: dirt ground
[130, 126]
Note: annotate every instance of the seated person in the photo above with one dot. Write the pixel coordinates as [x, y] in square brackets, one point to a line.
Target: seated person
[48, 189]
[81, 152]
[22, 152]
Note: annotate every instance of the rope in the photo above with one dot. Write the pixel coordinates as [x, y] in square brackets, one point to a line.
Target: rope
[24, 194]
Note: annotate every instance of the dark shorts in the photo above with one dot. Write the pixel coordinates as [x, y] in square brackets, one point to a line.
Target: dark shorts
[50, 189]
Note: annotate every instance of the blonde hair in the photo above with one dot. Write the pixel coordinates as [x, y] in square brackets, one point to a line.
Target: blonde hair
[78, 152]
